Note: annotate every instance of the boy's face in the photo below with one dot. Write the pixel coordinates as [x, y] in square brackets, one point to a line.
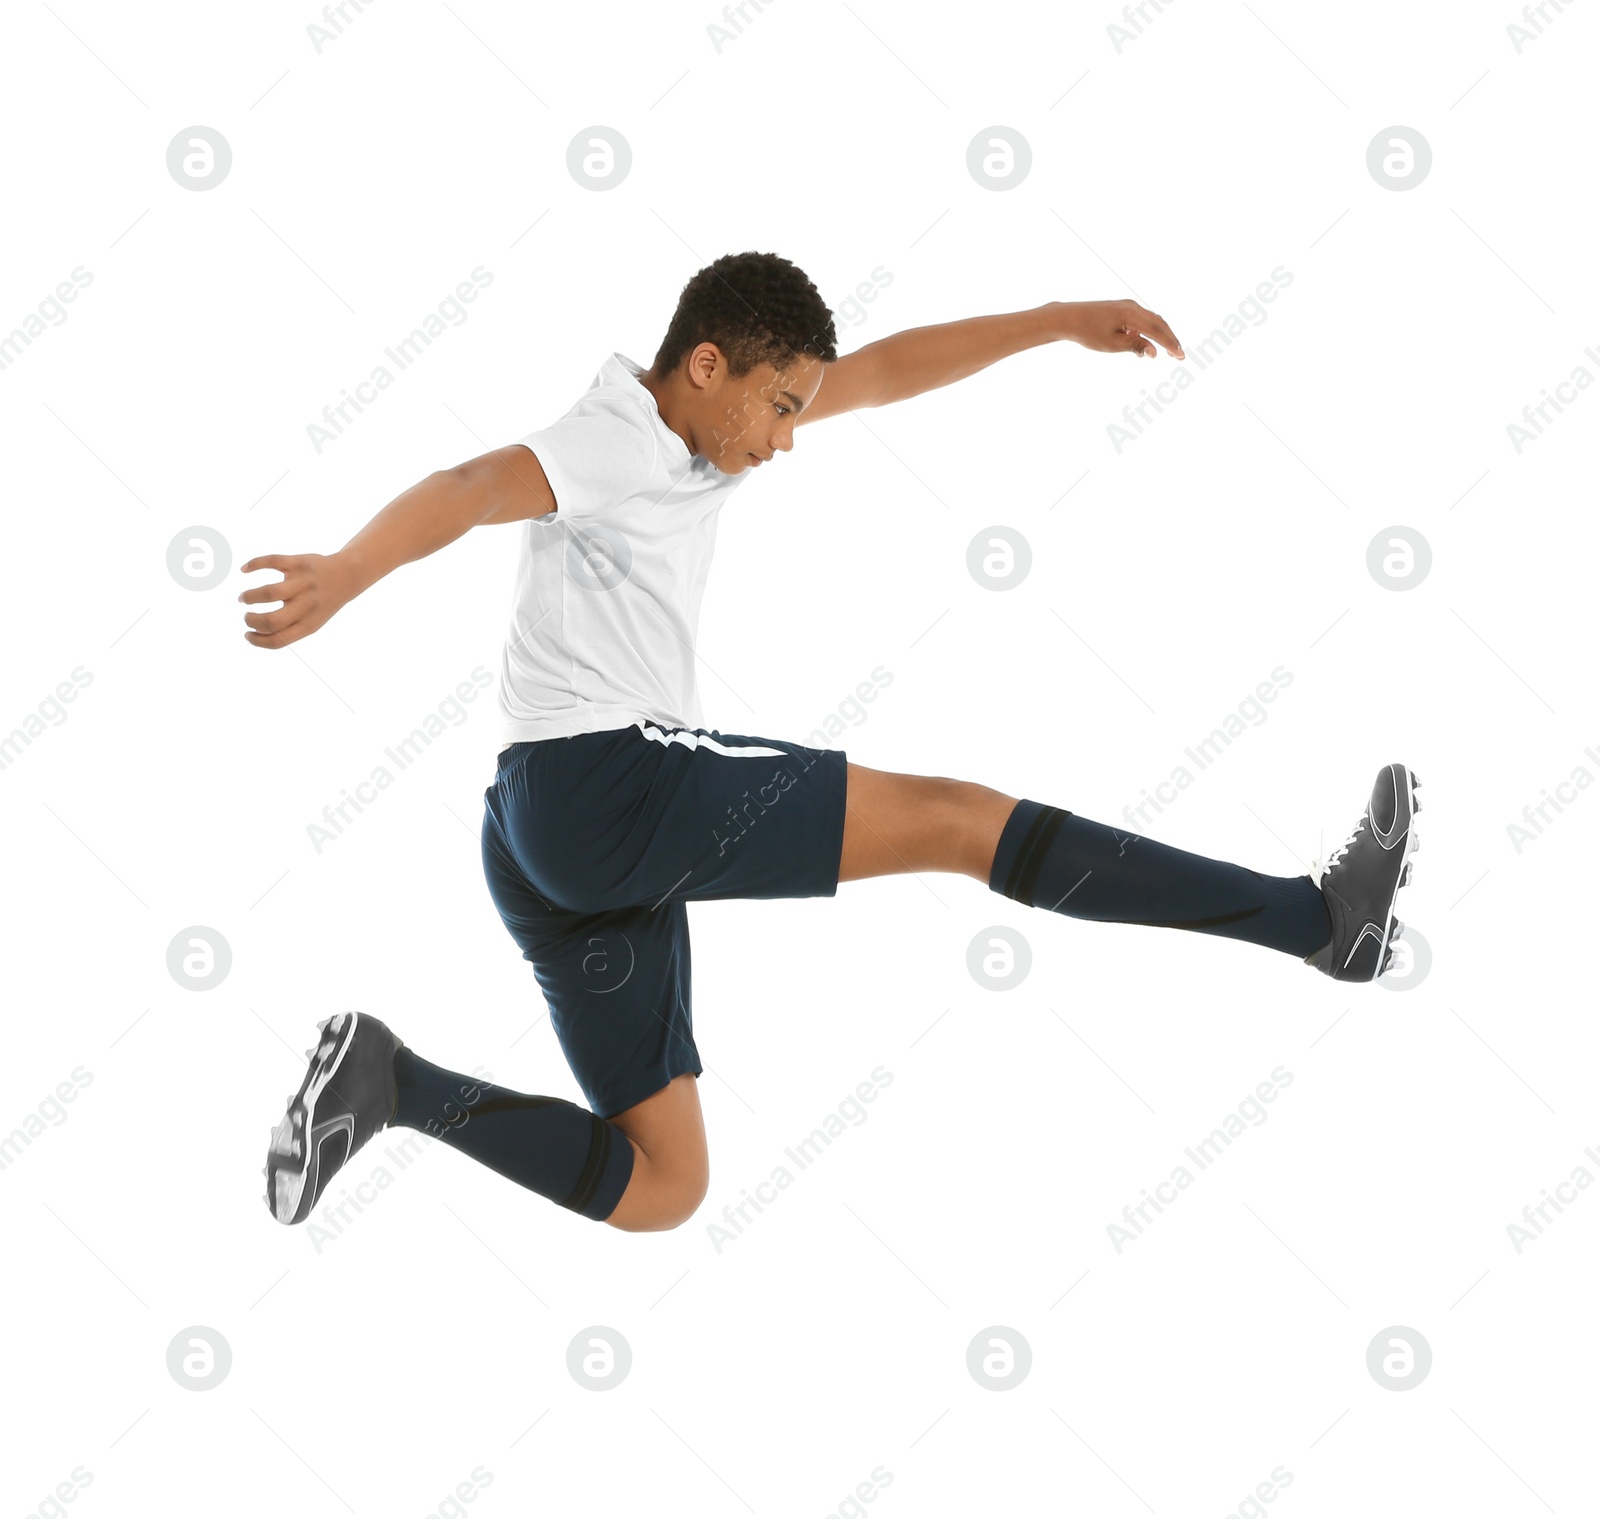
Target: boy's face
[740, 423]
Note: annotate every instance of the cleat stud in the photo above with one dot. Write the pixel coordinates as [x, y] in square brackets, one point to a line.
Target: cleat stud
[1405, 875]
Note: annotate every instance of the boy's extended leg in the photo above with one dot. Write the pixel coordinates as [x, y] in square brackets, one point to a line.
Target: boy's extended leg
[1047, 857]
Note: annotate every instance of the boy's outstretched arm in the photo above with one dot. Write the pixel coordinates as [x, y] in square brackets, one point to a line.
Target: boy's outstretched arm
[924, 358]
[505, 485]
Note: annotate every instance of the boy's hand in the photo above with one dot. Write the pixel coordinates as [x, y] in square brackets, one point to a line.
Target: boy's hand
[1117, 327]
[313, 588]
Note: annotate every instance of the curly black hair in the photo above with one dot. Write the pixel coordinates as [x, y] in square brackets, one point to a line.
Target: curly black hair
[758, 308]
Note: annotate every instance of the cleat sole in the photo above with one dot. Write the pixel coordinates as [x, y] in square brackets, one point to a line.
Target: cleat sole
[289, 1165]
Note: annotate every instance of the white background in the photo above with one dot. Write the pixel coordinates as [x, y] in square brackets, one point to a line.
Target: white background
[428, 1339]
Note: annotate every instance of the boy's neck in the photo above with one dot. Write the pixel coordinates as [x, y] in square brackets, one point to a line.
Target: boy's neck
[661, 392]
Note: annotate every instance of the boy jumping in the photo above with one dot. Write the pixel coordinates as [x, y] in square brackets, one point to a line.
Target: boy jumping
[612, 809]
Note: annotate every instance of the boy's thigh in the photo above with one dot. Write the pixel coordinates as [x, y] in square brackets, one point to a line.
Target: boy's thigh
[747, 817]
[617, 984]
[903, 824]
[648, 814]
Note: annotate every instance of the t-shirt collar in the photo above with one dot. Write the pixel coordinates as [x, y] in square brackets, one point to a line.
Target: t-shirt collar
[677, 451]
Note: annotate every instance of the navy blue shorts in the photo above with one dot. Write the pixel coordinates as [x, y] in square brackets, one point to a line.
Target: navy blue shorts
[594, 844]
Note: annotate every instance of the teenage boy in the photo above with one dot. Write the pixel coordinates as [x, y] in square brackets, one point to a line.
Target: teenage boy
[613, 807]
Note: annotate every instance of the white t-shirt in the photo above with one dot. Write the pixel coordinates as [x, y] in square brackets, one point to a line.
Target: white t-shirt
[608, 589]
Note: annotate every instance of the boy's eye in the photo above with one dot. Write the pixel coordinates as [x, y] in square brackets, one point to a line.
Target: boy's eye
[783, 411]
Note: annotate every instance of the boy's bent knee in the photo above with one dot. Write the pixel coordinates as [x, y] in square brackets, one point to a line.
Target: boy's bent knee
[652, 1217]
[653, 1203]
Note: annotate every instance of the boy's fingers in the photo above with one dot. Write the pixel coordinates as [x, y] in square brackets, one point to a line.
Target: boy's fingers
[1159, 329]
[1134, 341]
[276, 591]
[272, 640]
[276, 622]
[267, 562]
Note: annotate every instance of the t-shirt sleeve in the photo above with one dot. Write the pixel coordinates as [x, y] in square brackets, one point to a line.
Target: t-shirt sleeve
[593, 460]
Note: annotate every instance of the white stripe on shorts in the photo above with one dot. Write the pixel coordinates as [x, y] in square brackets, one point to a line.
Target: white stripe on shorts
[704, 741]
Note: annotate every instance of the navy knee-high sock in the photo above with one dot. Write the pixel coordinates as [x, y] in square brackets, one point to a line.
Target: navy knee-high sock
[1051, 858]
[547, 1144]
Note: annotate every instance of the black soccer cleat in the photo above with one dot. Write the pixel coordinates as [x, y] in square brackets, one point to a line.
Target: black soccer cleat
[348, 1095]
[1362, 877]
